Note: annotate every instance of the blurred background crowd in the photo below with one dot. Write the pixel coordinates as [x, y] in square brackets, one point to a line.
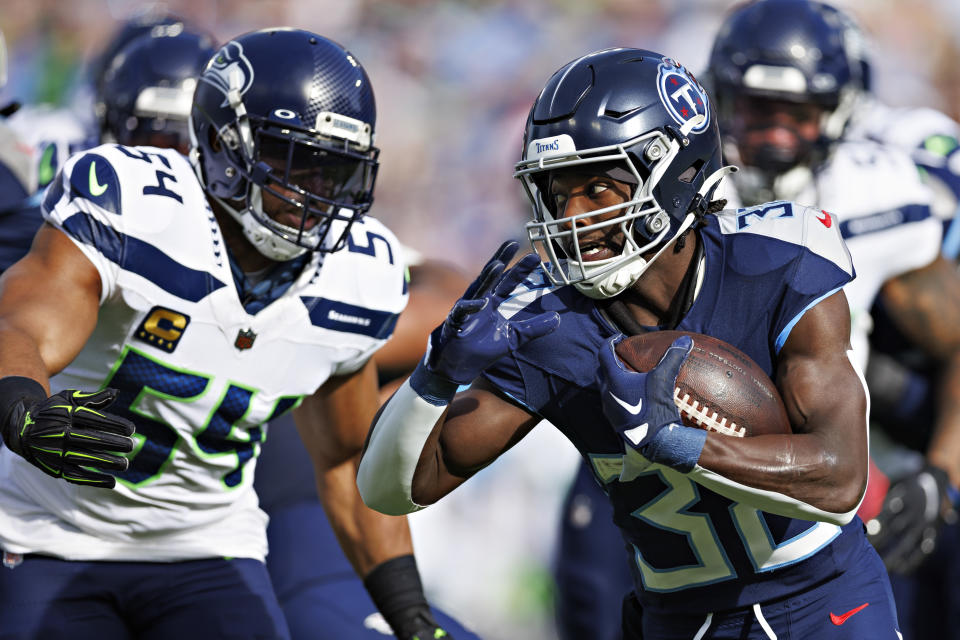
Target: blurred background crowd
[454, 80]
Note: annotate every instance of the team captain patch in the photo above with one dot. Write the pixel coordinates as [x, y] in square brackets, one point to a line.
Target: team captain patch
[162, 328]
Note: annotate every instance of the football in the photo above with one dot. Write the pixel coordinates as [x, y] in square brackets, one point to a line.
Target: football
[719, 387]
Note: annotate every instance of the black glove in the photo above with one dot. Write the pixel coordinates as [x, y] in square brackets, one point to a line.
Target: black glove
[396, 589]
[914, 511]
[417, 623]
[66, 435]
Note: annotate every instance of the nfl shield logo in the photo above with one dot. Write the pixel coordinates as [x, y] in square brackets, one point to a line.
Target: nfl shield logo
[245, 339]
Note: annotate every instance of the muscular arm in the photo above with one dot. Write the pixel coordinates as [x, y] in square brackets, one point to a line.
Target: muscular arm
[925, 306]
[478, 427]
[823, 465]
[49, 302]
[333, 423]
[419, 452]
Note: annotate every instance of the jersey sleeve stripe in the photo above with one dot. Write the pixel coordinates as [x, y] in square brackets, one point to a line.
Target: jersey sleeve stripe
[782, 338]
[142, 258]
[884, 220]
[349, 318]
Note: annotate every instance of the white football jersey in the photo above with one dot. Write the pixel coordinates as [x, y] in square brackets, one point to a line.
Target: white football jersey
[928, 135]
[876, 195]
[198, 374]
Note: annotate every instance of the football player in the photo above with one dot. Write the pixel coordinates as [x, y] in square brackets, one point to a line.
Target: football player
[203, 298]
[726, 538]
[893, 237]
[18, 177]
[314, 582]
[789, 78]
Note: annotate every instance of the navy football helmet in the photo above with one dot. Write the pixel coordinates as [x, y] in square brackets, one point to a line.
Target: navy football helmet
[147, 91]
[794, 51]
[153, 20]
[641, 118]
[286, 117]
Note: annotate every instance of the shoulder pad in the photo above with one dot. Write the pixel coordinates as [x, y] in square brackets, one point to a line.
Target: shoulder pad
[789, 230]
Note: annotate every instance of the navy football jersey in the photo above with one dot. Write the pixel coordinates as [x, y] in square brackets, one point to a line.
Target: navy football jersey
[690, 548]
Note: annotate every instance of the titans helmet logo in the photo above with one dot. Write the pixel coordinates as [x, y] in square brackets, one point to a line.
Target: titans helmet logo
[229, 70]
[682, 95]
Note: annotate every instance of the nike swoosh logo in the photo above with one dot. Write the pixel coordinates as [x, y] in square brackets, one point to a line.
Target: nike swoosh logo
[826, 219]
[839, 620]
[96, 189]
[634, 409]
[45, 173]
[637, 434]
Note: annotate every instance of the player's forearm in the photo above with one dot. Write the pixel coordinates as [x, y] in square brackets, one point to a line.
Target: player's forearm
[368, 538]
[799, 475]
[944, 448]
[20, 355]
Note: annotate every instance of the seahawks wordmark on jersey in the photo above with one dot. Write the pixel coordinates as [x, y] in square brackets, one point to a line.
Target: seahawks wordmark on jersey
[691, 549]
[197, 374]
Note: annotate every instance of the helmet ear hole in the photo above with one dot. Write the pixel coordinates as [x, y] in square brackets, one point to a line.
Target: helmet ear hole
[214, 140]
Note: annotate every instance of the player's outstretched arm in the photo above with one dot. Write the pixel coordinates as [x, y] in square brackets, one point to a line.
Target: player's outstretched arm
[427, 439]
[819, 472]
[925, 306]
[48, 307]
[333, 423]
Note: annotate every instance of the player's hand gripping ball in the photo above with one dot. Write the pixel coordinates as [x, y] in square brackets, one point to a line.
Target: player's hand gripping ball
[717, 388]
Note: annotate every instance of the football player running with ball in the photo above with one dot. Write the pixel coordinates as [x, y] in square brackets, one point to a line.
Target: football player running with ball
[193, 301]
[726, 538]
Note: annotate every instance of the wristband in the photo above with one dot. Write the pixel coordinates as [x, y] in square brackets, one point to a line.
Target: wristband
[676, 446]
[396, 590]
[17, 389]
[433, 388]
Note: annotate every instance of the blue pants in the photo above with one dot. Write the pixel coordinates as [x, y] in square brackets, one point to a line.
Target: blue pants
[928, 601]
[49, 599]
[592, 568]
[316, 585]
[856, 605]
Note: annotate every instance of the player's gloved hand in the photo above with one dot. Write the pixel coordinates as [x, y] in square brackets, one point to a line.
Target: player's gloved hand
[906, 530]
[475, 335]
[69, 436]
[418, 624]
[640, 407]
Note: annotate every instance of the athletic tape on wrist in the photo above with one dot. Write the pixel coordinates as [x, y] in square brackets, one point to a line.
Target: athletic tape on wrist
[676, 446]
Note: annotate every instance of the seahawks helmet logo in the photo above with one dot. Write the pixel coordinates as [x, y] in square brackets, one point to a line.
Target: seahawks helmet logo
[229, 69]
[682, 95]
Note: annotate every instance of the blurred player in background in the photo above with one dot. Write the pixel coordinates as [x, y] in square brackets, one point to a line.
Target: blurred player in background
[621, 173]
[820, 146]
[151, 91]
[284, 190]
[18, 177]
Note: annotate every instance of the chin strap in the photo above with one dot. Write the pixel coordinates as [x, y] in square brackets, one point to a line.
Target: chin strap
[618, 281]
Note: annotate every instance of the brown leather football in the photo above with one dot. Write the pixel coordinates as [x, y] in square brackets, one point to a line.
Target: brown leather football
[719, 387]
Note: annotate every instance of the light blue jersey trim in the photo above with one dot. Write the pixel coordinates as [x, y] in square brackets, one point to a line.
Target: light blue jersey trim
[951, 243]
[782, 338]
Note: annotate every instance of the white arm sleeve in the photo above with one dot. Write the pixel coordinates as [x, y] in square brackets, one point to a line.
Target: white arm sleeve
[386, 470]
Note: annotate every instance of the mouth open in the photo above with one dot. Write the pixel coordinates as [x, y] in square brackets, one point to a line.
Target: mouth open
[596, 250]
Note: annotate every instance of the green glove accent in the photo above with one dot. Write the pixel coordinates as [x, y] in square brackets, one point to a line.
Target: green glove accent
[68, 436]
